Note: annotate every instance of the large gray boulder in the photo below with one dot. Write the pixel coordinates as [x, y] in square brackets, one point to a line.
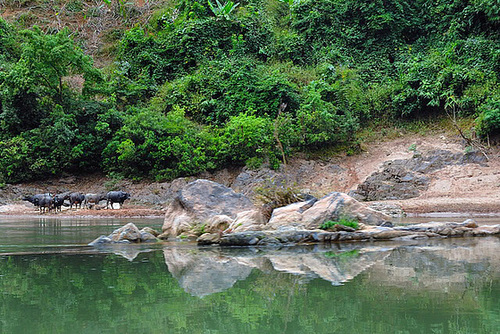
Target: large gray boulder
[206, 206]
[334, 206]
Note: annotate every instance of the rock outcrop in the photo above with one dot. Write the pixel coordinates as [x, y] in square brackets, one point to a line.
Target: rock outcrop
[216, 214]
[367, 233]
[334, 206]
[209, 207]
[406, 178]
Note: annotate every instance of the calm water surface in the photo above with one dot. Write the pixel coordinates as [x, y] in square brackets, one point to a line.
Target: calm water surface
[51, 282]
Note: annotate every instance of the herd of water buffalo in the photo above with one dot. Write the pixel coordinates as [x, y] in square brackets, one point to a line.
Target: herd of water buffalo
[48, 202]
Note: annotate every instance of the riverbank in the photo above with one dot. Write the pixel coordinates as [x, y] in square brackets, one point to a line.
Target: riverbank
[452, 188]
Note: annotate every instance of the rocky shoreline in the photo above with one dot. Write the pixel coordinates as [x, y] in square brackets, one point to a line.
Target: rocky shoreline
[130, 234]
[436, 177]
[372, 233]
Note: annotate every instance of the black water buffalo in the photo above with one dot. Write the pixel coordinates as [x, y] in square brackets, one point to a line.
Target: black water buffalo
[116, 197]
[59, 201]
[45, 203]
[93, 199]
[76, 199]
[42, 201]
[34, 198]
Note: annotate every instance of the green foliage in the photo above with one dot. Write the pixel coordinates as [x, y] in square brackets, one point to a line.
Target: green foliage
[351, 30]
[189, 92]
[46, 126]
[245, 137]
[159, 146]
[488, 122]
[228, 87]
[346, 221]
[254, 163]
[222, 10]
[460, 69]
[34, 84]
[146, 61]
[320, 121]
[64, 141]
[9, 49]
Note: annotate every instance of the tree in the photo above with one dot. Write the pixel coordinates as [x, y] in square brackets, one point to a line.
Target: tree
[34, 84]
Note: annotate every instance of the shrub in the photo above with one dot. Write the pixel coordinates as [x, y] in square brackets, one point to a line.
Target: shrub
[245, 137]
[319, 121]
[227, 87]
[346, 221]
[488, 122]
[160, 146]
[277, 194]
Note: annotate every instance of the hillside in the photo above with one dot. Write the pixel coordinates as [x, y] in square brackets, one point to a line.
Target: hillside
[162, 90]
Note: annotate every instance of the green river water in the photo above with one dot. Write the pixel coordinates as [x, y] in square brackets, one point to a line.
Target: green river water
[51, 282]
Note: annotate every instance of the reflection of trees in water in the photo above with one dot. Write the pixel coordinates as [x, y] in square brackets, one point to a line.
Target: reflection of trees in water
[89, 293]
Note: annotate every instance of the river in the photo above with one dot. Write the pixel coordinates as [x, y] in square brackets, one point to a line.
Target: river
[52, 282]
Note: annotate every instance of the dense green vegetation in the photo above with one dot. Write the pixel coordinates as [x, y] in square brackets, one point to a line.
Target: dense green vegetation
[207, 84]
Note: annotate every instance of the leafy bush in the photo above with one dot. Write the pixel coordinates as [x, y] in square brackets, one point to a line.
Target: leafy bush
[159, 146]
[9, 48]
[457, 69]
[355, 28]
[182, 45]
[345, 221]
[321, 122]
[488, 122]
[245, 137]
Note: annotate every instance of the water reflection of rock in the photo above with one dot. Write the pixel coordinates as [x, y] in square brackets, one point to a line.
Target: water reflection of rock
[130, 252]
[441, 265]
[202, 272]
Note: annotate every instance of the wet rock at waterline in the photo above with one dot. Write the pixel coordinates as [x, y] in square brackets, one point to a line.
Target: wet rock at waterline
[127, 234]
[368, 233]
[208, 206]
